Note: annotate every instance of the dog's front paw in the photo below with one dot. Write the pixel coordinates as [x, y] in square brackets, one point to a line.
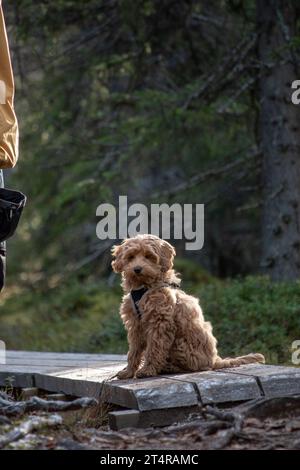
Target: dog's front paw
[126, 373]
[146, 372]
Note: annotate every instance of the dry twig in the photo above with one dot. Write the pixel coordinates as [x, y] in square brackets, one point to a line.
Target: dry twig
[9, 408]
[32, 424]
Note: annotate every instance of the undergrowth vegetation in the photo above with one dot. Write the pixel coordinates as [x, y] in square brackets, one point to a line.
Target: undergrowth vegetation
[250, 314]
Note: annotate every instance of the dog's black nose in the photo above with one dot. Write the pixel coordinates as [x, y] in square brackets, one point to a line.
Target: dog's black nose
[137, 270]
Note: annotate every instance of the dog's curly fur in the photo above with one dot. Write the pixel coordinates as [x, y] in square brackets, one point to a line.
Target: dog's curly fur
[171, 336]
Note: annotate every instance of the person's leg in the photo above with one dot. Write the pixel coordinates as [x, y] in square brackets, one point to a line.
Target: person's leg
[2, 247]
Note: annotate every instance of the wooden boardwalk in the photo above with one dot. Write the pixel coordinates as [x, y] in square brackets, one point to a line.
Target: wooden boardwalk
[156, 400]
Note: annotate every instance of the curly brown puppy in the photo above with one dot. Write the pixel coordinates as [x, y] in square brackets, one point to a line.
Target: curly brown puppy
[166, 329]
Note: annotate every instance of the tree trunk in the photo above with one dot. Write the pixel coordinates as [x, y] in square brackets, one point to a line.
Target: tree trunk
[279, 140]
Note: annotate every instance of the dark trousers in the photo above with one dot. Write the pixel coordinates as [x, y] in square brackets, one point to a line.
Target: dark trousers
[2, 247]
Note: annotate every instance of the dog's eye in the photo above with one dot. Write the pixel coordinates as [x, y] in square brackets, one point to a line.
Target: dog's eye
[150, 257]
[130, 257]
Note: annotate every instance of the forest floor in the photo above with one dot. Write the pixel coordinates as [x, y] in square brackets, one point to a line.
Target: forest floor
[257, 434]
[264, 424]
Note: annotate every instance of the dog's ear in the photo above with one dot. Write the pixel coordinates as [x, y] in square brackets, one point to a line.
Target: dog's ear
[167, 256]
[117, 263]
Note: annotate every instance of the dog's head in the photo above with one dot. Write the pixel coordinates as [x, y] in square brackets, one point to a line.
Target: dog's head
[143, 259]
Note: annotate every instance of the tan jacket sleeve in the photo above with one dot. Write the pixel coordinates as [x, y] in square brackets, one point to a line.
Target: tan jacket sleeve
[9, 132]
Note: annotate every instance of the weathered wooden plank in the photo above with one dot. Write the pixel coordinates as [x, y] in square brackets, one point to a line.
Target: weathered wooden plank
[89, 387]
[20, 376]
[16, 379]
[220, 387]
[14, 369]
[44, 368]
[66, 356]
[144, 419]
[30, 368]
[57, 397]
[150, 394]
[77, 382]
[94, 375]
[123, 419]
[83, 373]
[44, 362]
[43, 377]
[274, 381]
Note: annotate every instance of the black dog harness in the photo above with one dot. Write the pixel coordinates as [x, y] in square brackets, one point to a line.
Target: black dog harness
[137, 294]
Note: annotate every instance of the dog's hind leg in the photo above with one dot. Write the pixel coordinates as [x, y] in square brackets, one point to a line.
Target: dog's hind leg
[252, 358]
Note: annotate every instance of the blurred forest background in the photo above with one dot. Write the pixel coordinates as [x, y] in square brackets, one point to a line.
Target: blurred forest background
[163, 101]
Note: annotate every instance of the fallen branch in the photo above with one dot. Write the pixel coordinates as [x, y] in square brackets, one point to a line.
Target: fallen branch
[198, 425]
[9, 408]
[222, 415]
[32, 424]
[5, 396]
[271, 407]
[225, 436]
[4, 420]
[261, 408]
